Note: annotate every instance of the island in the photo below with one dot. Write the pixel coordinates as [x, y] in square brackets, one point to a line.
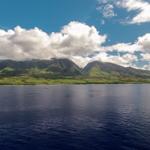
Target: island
[65, 71]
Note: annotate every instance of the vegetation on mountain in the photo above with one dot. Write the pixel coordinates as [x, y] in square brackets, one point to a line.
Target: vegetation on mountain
[64, 71]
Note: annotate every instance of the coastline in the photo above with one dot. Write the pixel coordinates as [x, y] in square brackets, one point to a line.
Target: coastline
[68, 81]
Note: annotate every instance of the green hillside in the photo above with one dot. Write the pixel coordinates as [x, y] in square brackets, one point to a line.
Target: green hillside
[65, 71]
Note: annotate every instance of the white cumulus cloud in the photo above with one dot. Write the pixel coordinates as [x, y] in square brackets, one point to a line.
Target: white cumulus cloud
[142, 44]
[106, 8]
[146, 57]
[140, 6]
[124, 60]
[76, 41]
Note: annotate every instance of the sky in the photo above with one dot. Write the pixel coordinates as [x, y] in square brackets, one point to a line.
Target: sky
[116, 31]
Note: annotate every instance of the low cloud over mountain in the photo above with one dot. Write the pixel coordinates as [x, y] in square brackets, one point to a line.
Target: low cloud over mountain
[77, 41]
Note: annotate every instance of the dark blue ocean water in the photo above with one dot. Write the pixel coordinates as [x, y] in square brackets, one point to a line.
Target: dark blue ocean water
[75, 117]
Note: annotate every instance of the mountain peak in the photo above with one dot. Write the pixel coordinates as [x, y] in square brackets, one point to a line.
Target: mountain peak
[65, 67]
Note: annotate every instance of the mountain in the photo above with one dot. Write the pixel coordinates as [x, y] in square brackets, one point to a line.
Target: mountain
[97, 69]
[43, 68]
[64, 67]
[60, 68]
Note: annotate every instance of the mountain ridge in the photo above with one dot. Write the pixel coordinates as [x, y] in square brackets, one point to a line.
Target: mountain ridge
[114, 68]
[65, 67]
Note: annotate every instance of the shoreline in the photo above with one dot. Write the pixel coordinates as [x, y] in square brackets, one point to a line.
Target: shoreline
[69, 81]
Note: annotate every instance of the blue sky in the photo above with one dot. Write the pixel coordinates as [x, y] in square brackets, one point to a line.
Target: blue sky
[115, 19]
[51, 15]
